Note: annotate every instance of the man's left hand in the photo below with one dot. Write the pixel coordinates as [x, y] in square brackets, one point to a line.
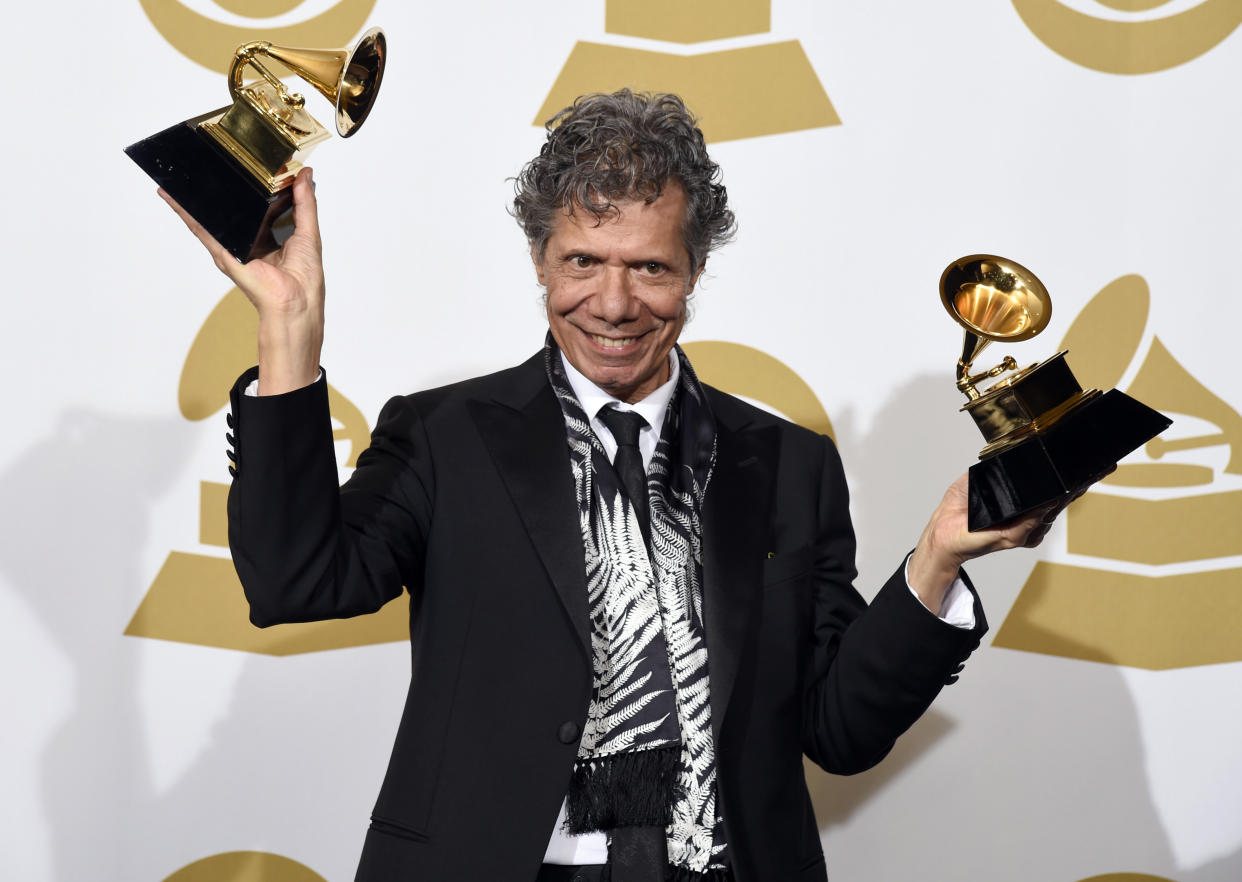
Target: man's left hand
[947, 543]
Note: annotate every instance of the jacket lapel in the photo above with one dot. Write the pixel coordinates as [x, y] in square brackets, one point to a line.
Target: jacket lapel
[735, 519]
[524, 431]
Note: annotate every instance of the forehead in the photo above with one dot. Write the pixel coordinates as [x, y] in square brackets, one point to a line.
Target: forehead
[631, 224]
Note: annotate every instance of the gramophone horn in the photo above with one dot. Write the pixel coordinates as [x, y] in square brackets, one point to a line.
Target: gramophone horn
[350, 79]
[993, 298]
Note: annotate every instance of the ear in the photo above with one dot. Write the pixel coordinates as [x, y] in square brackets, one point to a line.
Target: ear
[539, 274]
[694, 278]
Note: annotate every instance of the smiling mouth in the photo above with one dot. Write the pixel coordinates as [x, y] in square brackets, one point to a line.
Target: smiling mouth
[610, 343]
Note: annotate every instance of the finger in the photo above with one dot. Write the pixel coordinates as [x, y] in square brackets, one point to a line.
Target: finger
[1014, 534]
[1053, 511]
[1048, 515]
[1037, 535]
[227, 263]
[1061, 506]
[305, 205]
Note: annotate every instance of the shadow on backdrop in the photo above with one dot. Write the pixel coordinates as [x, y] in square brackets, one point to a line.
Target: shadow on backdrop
[1045, 777]
[86, 494]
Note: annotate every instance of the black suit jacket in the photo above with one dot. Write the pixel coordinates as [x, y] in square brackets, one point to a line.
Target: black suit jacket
[465, 497]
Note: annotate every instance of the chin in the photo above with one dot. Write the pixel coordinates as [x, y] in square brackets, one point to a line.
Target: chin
[609, 381]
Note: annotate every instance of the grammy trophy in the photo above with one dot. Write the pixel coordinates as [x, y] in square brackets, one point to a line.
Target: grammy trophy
[231, 169]
[1046, 436]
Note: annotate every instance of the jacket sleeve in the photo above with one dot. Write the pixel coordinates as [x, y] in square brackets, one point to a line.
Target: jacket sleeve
[305, 548]
[874, 669]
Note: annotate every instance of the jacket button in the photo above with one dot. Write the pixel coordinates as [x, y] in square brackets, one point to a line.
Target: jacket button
[568, 733]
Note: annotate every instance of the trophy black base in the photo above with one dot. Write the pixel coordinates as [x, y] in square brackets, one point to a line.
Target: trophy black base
[1069, 455]
[230, 204]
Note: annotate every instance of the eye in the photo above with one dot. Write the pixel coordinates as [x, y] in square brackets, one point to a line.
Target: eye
[582, 261]
[653, 268]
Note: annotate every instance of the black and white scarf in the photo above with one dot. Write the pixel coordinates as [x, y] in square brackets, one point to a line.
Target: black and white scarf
[647, 757]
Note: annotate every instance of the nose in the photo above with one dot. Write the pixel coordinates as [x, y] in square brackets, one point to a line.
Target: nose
[614, 301]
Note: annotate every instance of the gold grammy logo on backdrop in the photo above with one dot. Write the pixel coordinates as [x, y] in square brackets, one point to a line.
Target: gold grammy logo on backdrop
[752, 373]
[197, 598]
[1175, 517]
[246, 866]
[212, 43]
[763, 89]
[1127, 41]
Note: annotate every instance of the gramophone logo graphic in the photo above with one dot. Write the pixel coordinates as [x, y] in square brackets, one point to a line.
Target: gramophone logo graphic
[1130, 36]
[211, 43]
[1155, 588]
[762, 89]
[197, 598]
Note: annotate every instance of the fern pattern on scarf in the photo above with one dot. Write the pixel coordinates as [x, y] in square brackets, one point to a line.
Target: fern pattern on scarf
[651, 687]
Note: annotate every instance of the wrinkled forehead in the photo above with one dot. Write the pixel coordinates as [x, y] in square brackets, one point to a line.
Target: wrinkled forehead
[599, 205]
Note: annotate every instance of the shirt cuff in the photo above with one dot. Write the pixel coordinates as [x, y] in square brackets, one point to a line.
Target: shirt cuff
[958, 607]
[252, 390]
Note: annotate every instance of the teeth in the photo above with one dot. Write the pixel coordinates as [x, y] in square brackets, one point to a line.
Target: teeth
[609, 343]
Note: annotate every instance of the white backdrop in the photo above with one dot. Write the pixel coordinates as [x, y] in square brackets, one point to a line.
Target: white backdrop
[961, 130]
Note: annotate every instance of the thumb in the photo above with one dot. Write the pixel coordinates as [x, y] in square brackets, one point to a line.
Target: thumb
[305, 205]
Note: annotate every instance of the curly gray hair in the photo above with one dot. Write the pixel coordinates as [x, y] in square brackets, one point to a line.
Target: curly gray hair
[606, 148]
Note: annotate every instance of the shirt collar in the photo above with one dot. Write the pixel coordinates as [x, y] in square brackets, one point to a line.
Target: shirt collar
[652, 408]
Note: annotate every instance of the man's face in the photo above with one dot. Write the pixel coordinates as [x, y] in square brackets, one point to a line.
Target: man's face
[617, 291]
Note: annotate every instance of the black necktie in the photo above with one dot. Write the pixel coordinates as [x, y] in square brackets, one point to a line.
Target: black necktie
[625, 426]
[637, 854]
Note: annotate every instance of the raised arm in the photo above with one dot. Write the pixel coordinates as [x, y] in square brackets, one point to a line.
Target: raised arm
[299, 555]
[286, 288]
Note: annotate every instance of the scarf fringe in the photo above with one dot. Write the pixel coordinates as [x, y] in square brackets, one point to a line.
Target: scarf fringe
[681, 874]
[632, 789]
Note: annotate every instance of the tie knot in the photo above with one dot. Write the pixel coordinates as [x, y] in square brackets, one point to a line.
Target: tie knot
[624, 425]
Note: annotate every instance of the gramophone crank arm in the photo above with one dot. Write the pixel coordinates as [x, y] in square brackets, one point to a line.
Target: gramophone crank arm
[966, 382]
[248, 54]
[1158, 447]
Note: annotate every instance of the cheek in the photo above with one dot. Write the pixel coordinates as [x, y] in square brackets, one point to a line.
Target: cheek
[564, 295]
[669, 308]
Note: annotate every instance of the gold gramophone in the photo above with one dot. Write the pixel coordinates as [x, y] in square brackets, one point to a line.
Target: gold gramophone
[231, 168]
[1046, 436]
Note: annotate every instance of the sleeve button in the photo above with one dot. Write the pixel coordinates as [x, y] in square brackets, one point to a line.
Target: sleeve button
[568, 732]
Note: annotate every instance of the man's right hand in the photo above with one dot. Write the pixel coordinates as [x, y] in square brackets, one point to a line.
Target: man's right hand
[287, 289]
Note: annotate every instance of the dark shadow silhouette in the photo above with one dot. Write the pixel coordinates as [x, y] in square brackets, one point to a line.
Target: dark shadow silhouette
[85, 495]
[1042, 754]
[302, 745]
[836, 797]
[899, 450]
[1223, 869]
[294, 765]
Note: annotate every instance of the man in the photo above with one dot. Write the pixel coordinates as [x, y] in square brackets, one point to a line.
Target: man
[626, 629]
